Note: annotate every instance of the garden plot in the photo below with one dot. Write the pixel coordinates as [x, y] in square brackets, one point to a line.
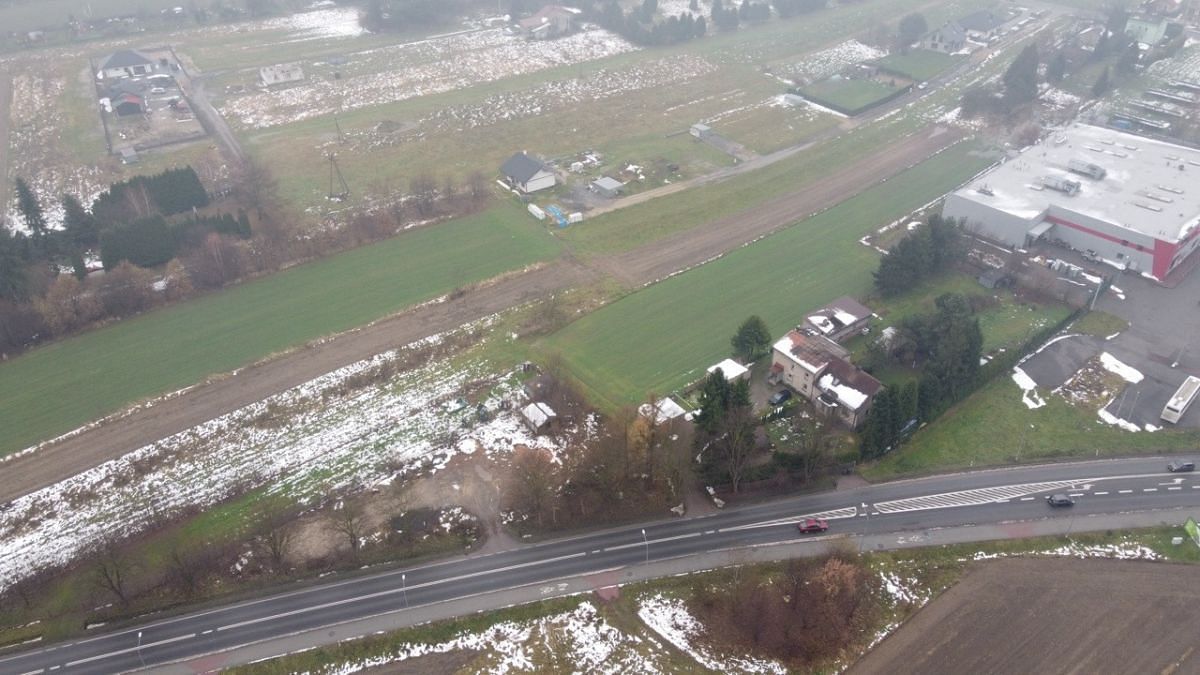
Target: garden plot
[36, 152]
[352, 427]
[418, 69]
[828, 62]
[538, 100]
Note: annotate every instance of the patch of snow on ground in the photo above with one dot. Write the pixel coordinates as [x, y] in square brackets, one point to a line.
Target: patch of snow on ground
[669, 8]
[594, 645]
[827, 62]
[1029, 394]
[341, 22]
[422, 68]
[1109, 418]
[902, 590]
[671, 619]
[1121, 551]
[312, 440]
[1113, 365]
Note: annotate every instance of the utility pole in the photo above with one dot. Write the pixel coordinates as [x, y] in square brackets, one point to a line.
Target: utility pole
[404, 588]
[646, 543]
[139, 649]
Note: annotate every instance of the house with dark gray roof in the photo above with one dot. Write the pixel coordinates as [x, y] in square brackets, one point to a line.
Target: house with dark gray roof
[982, 24]
[526, 174]
[125, 63]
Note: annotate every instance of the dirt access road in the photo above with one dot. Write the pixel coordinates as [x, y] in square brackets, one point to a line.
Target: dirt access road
[1027, 615]
[223, 394]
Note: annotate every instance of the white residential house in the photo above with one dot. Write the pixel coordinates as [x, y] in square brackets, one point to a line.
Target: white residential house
[125, 63]
[527, 174]
[819, 369]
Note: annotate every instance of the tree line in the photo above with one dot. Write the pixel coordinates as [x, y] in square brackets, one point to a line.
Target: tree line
[947, 344]
[152, 234]
[1020, 83]
[934, 247]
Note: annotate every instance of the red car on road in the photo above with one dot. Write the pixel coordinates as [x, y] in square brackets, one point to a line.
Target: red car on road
[809, 525]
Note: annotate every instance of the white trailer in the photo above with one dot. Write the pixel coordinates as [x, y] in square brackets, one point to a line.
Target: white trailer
[1182, 398]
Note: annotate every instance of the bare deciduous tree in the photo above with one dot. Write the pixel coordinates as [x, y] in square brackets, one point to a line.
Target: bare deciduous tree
[111, 570]
[423, 189]
[736, 443]
[349, 522]
[477, 187]
[275, 532]
[532, 484]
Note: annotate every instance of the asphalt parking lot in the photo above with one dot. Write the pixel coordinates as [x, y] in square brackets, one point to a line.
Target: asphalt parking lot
[1162, 342]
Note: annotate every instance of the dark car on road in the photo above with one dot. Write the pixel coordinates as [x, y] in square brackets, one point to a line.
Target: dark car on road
[809, 525]
[1060, 500]
[1181, 465]
[779, 397]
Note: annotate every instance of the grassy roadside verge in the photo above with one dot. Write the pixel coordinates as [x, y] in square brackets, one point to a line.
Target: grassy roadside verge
[59, 387]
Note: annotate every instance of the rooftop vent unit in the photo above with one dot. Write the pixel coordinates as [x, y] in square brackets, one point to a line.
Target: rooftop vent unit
[985, 190]
[1063, 185]
[1159, 198]
[1094, 171]
[1164, 188]
[1149, 207]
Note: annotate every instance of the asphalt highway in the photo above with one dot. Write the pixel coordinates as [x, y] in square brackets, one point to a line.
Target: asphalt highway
[984, 497]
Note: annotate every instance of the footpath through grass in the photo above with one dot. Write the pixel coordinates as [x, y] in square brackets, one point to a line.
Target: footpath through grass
[662, 337]
[54, 389]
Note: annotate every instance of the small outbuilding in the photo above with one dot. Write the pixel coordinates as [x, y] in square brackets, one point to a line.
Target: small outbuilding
[664, 410]
[607, 187]
[527, 174]
[700, 131]
[996, 278]
[282, 73]
[732, 370]
[539, 417]
[127, 105]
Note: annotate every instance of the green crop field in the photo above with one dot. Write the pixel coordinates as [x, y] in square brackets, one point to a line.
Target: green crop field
[850, 96]
[919, 64]
[663, 337]
[54, 389]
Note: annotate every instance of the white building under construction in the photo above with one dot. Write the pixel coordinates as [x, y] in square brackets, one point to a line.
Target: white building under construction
[1133, 201]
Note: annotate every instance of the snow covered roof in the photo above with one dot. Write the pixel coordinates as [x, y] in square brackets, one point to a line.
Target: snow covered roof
[852, 387]
[732, 369]
[664, 410]
[538, 414]
[843, 312]
[1149, 187]
[810, 352]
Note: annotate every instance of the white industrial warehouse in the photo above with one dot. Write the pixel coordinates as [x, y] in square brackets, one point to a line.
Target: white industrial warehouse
[1130, 200]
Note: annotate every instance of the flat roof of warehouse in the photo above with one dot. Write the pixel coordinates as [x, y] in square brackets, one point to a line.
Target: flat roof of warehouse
[1150, 187]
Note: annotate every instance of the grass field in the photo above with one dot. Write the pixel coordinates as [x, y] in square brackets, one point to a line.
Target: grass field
[849, 96]
[57, 388]
[1016, 434]
[662, 337]
[919, 64]
[768, 128]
